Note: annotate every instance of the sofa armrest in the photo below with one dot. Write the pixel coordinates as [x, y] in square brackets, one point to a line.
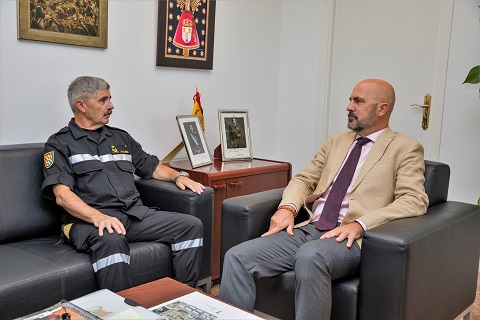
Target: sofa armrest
[247, 217]
[411, 266]
[167, 196]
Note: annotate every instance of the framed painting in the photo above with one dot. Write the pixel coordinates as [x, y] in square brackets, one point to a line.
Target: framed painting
[194, 140]
[185, 33]
[235, 135]
[81, 23]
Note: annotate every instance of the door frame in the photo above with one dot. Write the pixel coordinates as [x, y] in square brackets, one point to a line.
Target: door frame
[327, 36]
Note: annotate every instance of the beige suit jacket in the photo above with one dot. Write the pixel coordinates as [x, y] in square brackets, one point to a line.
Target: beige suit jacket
[389, 186]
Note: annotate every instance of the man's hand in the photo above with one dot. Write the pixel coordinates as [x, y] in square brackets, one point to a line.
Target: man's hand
[184, 182]
[165, 173]
[351, 231]
[280, 220]
[79, 209]
[103, 221]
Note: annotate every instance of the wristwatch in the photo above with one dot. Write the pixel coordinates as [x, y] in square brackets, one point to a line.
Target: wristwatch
[181, 174]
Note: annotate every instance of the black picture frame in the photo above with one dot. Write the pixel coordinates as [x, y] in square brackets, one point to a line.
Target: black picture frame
[173, 44]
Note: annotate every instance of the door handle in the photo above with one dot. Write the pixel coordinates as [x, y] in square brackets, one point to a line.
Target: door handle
[426, 110]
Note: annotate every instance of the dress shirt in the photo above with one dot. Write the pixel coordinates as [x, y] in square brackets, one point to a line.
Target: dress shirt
[344, 207]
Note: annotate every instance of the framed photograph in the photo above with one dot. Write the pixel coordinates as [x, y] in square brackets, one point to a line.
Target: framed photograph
[194, 141]
[235, 135]
[185, 33]
[81, 23]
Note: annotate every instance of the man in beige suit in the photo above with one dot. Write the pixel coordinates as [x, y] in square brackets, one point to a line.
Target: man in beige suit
[387, 184]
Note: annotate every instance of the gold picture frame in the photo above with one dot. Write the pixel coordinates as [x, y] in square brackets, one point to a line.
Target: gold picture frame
[64, 21]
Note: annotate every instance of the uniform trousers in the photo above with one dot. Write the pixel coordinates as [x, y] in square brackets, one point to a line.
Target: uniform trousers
[316, 263]
[111, 253]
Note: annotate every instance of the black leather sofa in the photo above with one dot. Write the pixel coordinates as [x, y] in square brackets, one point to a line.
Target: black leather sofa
[416, 268]
[36, 272]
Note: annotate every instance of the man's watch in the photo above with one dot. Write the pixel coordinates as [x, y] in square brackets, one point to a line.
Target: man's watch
[181, 174]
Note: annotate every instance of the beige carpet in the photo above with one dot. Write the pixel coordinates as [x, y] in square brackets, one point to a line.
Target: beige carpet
[476, 304]
[475, 311]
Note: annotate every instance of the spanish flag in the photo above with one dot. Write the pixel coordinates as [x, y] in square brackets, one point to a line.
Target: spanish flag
[197, 109]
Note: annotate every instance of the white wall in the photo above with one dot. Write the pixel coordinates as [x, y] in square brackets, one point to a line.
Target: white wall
[298, 82]
[460, 144]
[265, 59]
[35, 75]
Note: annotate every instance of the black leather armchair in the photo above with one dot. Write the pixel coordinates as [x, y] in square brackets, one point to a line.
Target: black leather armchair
[415, 268]
[36, 272]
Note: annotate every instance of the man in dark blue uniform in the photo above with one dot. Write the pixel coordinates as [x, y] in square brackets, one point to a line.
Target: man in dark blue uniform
[89, 169]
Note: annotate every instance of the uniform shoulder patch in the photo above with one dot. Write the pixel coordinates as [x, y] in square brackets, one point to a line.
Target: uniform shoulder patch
[48, 159]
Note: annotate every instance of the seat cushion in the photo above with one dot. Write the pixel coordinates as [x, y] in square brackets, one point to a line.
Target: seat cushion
[41, 273]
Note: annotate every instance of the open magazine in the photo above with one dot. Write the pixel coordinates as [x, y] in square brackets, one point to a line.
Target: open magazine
[101, 304]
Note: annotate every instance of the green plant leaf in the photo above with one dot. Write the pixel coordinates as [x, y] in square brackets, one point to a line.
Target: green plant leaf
[473, 76]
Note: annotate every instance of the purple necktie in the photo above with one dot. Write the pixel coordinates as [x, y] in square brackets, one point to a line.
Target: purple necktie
[329, 217]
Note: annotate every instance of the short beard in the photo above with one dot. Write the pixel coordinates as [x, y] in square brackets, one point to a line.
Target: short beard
[357, 125]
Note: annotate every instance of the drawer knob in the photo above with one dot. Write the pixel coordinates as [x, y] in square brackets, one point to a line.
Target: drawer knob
[218, 186]
[235, 184]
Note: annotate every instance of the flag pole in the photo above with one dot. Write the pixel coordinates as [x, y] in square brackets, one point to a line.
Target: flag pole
[172, 154]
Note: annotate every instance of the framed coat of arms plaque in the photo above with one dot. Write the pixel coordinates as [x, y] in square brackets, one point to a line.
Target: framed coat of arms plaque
[185, 33]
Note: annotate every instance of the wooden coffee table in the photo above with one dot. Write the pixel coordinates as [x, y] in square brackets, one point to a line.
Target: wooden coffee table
[152, 294]
[156, 292]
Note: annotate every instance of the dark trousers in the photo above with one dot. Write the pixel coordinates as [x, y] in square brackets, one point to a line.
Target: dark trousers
[111, 253]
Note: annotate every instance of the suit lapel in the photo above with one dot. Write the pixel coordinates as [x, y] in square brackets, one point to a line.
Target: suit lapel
[378, 149]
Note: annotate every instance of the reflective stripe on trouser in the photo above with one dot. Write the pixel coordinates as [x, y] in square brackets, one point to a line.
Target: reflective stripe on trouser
[110, 255]
[111, 261]
[183, 232]
[187, 244]
[187, 259]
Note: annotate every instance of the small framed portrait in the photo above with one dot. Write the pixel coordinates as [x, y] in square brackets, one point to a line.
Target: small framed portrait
[235, 135]
[194, 140]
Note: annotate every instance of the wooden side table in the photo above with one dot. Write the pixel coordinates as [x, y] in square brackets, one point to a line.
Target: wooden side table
[156, 292]
[231, 179]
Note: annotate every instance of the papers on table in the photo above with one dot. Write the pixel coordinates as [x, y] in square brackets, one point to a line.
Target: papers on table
[197, 305]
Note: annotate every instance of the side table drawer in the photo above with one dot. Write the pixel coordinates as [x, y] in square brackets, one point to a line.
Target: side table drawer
[255, 183]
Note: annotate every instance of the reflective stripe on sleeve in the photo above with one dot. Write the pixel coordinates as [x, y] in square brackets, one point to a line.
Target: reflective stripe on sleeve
[112, 259]
[103, 158]
[195, 243]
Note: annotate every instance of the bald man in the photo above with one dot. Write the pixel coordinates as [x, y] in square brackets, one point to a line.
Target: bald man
[387, 184]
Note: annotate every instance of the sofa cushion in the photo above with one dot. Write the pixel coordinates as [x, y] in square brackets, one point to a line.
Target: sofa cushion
[42, 273]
